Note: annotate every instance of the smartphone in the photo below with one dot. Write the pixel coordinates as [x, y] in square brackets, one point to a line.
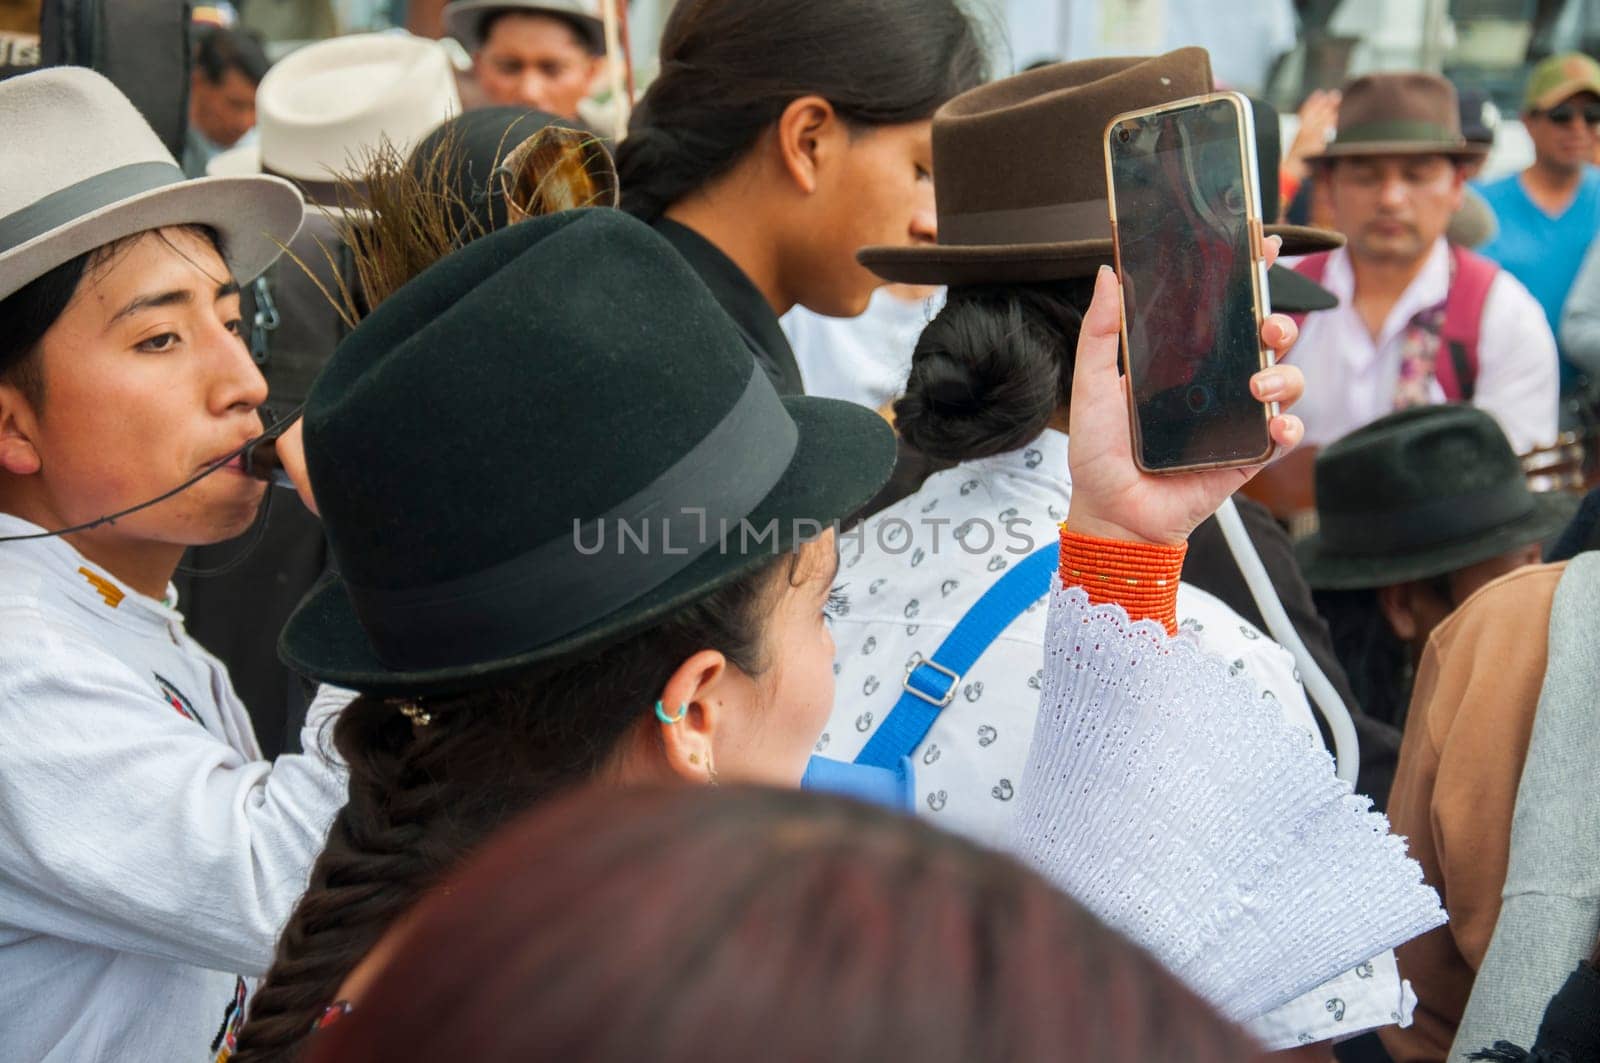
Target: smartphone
[1186, 224]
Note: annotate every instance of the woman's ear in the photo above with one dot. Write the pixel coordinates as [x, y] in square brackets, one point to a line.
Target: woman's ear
[18, 422]
[805, 136]
[695, 704]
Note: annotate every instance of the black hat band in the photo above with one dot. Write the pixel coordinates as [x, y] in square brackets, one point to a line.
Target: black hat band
[1433, 523]
[565, 584]
[1055, 222]
[83, 197]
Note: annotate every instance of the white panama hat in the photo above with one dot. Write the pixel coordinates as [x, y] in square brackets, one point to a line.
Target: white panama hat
[83, 169]
[463, 19]
[321, 108]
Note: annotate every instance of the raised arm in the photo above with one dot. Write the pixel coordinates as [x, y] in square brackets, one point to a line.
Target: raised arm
[1164, 793]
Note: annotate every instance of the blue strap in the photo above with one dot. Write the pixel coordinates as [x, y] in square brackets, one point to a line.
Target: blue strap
[932, 684]
[889, 787]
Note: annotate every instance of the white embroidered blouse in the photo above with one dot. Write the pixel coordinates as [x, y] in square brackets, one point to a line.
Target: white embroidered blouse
[911, 573]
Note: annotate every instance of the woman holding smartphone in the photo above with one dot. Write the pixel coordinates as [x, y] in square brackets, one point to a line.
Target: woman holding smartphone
[993, 387]
[780, 138]
[510, 639]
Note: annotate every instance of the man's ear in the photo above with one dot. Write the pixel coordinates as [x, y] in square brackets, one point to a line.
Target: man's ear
[805, 134]
[1397, 603]
[599, 66]
[696, 699]
[1458, 187]
[18, 426]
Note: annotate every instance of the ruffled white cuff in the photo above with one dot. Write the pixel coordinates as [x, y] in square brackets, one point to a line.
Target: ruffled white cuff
[1173, 801]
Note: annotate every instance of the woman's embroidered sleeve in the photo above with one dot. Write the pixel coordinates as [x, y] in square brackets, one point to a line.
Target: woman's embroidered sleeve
[1176, 804]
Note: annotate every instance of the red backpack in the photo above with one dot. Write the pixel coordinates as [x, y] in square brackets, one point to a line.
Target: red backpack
[1463, 317]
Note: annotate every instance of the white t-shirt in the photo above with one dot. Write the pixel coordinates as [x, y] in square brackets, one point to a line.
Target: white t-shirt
[907, 579]
[148, 856]
[1350, 378]
[865, 359]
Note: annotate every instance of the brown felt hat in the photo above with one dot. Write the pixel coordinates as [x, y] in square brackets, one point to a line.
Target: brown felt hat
[1400, 114]
[1021, 177]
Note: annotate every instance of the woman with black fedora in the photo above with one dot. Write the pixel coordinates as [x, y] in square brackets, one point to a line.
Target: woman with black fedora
[780, 138]
[629, 581]
[990, 388]
[149, 854]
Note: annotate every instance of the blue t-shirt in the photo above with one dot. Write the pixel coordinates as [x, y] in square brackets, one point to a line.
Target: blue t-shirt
[1542, 252]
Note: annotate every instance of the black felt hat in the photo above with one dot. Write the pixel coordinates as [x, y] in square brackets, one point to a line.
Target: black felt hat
[547, 441]
[1418, 494]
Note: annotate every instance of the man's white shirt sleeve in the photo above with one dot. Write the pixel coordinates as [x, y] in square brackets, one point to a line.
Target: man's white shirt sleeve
[1518, 372]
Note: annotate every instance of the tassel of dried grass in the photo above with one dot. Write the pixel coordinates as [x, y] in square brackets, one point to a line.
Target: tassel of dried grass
[399, 218]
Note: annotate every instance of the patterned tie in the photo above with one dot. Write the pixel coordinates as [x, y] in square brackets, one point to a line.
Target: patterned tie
[1419, 351]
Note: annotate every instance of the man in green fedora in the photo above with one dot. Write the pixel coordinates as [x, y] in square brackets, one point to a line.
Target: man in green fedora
[1416, 511]
[1420, 321]
[1549, 212]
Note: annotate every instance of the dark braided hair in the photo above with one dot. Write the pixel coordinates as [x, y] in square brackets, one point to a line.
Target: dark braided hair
[422, 797]
[730, 67]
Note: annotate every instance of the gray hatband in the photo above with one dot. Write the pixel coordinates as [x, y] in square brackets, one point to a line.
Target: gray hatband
[84, 197]
[563, 585]
[1436, 522]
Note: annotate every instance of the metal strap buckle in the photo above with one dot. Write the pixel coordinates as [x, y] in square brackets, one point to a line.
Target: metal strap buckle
[949, 695]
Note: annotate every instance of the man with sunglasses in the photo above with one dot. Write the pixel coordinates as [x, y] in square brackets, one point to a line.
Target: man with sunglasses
[1549, 212]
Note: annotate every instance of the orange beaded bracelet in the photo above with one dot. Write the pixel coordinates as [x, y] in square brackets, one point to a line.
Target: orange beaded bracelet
[1140, 577]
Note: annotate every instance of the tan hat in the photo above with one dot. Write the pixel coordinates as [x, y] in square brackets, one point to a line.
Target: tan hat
[464, 19]
[1020, 177]
[324, 106]
[1558, 78]
[1409, 113]
[94, 172]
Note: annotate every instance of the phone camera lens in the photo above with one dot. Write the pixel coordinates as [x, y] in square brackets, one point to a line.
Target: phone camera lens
[1123, 135]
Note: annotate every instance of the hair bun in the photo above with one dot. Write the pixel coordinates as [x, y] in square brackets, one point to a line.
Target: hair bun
[987, 373]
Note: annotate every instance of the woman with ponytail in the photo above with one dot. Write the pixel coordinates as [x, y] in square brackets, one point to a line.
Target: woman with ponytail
[779, 138]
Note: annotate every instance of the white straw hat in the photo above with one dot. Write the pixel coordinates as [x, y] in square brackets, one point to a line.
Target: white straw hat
[322, 107]
[82, 168]
[463, 19]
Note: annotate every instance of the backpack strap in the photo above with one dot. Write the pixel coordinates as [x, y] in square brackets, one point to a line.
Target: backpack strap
[1313, 268]
[1471, 277]
[932, 684]
[889, 787]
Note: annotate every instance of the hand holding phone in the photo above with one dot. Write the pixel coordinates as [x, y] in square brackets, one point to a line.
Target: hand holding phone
[1186, 221]
[1111, 496]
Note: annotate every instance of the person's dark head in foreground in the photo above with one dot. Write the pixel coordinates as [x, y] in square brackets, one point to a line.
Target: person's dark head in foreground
[803, 125]
[1417, 510]
[698, 926]
[228, 66]
[536, 397]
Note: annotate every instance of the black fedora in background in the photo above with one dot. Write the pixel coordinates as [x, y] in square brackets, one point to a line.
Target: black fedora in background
[1420, 493]
[473, 439]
